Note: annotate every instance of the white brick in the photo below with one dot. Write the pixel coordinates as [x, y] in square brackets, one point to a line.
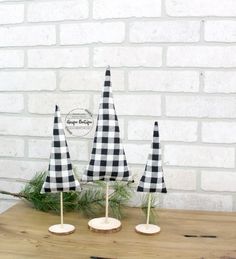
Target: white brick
[6, 204]
[56, 58]
[201, 106]
[27, 80]
[11, 103]
[126, 8]
[180, 179]
[222, 31]
[83, 33]
[219, 181]
[24, 170]
[201, 56]
[128, 56]
[219, 132]
[27, 35]
[220, 82]
[26, 126]
[11, 147]
[14, 187]
[89, 80]
[149, 105]
[40, 148]
[200, 156]
[170, 130]
[136, 154]
[197, 201]
[200, 8]
[57, 10]
[11, 14]
[66, 102]
[164, 81]
[165, 31]
[11, 58]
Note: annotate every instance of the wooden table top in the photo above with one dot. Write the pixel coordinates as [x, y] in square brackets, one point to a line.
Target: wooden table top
[184, 234]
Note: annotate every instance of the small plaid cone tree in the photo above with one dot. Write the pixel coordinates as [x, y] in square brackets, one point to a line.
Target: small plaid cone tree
[60, 177]
[108, 160]
[152, 180]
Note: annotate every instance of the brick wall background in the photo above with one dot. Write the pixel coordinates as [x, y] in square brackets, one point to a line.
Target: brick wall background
[172, 60]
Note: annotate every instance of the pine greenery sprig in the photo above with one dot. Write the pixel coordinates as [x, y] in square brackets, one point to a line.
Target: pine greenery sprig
[153, 214]
[89, 202]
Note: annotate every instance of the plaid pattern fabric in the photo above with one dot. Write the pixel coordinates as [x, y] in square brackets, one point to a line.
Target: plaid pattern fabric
[108, 160]
[153, 179]
[60, 177]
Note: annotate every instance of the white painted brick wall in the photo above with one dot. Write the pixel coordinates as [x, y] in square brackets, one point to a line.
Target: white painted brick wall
[12, 13]
[172, 60]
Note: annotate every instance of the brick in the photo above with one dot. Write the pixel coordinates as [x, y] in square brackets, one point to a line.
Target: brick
[200, 8]
[11, 103]
[180, 179]
[11, 58]
[219, 132]
[12, 186]
[6, 204]
[24, 170]
[128, 56]
[66, 102]
[219, 181]
[201, 56]
[197, 201]
[164, 81]
[11, 147]
[149, 105]
[165, 31]
[220, 31]
[199, 156]
[201, 106]
[136, 153]
[11, 13]
[57, 58]
[170, 130]
[57, 11]
[22, 80]
[220, 82]
[27, 35]
[89, 80]
[26, 126]
[103, 9]
[84, 33]
[40, 148]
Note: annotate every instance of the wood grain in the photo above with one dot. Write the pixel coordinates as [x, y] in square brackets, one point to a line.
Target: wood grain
[24, 234]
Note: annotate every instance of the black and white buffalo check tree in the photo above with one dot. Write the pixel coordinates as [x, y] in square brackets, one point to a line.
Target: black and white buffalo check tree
[108, 160]
[60, 177]
[152, 180]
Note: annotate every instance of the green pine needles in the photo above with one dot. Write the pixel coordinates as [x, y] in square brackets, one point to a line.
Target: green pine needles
[90, 201]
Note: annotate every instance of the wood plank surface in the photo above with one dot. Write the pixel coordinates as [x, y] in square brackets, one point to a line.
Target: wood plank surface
[184, 234]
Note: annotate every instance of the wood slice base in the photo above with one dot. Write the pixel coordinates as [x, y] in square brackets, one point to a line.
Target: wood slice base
[147, 229]
[59, 229]
[102, 225]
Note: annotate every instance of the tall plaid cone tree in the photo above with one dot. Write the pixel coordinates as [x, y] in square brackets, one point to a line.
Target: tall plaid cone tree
[152, 181]
[108, 160]
[60, 177]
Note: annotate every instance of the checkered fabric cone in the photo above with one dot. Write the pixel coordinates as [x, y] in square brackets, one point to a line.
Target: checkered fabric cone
[153, 179]
[60, 177]
[108, 160]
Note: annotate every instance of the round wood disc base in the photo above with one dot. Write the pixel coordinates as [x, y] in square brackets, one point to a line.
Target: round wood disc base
[64, 229]
[147, 229]
[101, 225]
